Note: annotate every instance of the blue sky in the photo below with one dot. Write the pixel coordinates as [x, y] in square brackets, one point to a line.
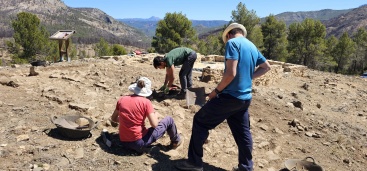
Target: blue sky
[208, 9]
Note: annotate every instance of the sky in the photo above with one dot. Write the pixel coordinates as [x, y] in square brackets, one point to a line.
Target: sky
[208, 9]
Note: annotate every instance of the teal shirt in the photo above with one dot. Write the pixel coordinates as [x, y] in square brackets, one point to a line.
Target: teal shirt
[248, 57]
[177, 56]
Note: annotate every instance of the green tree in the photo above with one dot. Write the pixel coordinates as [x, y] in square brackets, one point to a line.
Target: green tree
[275, 39]
[29, 34]
[151, 50]
[212, 45]
[257, 37]
[102, 48]
[247, 18]
[327, 62]
[83, 54]
[173, 31]
[342, 52]
[306, 42]
[72, 50]
[12, 47]
[118, 50]
[360, 57]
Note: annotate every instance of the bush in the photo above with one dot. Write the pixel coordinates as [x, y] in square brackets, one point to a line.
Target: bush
[118, 50]
[151, 50]
[17, 60]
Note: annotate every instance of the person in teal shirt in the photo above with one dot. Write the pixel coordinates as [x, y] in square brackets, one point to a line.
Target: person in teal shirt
[179, 56]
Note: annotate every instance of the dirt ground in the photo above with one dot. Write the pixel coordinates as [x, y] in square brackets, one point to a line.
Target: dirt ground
[319, 115]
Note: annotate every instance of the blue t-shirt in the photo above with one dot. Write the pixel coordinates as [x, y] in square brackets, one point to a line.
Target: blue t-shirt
[248, 57]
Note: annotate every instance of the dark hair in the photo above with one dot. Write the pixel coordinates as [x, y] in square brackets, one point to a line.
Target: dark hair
[157, 61]
[235, 31]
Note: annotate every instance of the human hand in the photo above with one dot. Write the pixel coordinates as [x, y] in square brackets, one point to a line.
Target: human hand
[211, 95]
[113, 123]
[163, 88]
[166, 90]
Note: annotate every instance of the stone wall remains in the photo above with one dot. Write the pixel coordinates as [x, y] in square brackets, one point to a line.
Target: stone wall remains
[278, 71]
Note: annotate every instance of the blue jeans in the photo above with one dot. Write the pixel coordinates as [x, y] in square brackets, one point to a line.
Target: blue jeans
[212, 114]
[153, 134]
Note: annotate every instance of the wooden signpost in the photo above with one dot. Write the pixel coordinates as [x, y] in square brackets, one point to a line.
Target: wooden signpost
[63, 36]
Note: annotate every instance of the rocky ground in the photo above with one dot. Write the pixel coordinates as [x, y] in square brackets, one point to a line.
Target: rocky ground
[316, 114]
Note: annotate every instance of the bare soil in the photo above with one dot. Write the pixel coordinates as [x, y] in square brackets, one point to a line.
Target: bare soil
[321, 115]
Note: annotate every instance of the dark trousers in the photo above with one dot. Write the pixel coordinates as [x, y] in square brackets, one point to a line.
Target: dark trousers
[166, 124]
[212, 114]
[186, 71]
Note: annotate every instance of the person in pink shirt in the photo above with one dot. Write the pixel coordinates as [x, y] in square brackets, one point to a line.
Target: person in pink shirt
[131, 112]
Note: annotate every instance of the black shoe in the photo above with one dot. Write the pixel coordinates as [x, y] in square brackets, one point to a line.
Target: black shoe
[188, 167]
[235, 168]
[181, 95]
[174, 145]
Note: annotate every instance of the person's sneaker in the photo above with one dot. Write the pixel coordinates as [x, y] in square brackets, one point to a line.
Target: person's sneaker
[174, 145]
[188, 167]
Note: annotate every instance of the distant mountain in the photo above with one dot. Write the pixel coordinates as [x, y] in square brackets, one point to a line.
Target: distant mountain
[91, 24]
[322, 15]
[149, 25]
[289, 18]
[349, 22]
[153, 18]
[205, 28]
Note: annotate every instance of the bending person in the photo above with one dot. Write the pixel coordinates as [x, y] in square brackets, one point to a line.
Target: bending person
[178, 56]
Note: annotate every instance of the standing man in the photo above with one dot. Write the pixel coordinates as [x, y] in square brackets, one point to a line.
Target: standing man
[230, 100]
[178, 56]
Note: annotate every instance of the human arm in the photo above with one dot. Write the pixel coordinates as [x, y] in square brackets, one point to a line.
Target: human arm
[115, 116]
[169, 76]
[228, 76]
[261, 70]
[153, 119]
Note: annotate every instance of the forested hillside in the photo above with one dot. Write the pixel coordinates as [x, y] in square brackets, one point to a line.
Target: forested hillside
[91, 24]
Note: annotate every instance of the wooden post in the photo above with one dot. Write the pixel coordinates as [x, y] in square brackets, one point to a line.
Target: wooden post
[66, 49]
[60, 50]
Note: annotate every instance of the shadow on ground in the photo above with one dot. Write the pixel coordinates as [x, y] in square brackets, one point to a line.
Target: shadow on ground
[155, 151]
[115, 148]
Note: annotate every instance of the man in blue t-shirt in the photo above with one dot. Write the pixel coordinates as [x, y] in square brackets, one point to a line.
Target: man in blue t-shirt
[230, 100]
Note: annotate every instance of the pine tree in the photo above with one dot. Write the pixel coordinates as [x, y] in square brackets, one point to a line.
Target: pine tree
[306, 42]
[29, 34]
[342, 52]
[247, 18]
[275, 39]
[360, 57]
[102, 48]
[173, 31]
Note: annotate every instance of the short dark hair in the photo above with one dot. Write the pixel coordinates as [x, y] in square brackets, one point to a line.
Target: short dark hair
[157, 61]
[235, 31]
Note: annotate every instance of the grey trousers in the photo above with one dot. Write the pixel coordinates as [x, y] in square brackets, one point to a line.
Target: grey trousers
[186, 72]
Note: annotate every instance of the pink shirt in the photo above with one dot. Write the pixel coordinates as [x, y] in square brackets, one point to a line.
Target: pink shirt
[132, 113]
